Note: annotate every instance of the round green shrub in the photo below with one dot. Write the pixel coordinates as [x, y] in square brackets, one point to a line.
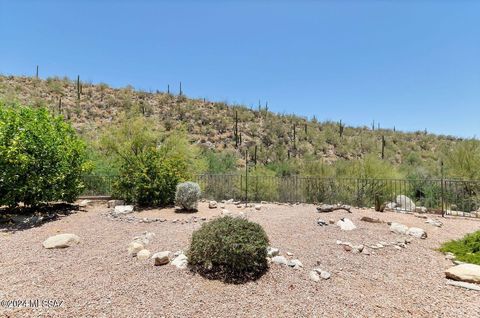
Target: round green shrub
[41, 157]
[187, 195]
[230, 249]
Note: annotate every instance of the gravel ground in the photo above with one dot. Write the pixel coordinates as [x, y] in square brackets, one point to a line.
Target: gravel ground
[98, 278]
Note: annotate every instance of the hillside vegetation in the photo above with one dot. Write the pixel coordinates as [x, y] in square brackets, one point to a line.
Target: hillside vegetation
[283, 143]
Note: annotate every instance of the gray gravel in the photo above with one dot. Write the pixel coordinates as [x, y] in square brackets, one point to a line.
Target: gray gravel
[98, 278]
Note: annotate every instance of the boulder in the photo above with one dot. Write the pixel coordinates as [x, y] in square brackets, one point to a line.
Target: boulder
[161, 258]
[404, 203]
[258, 207]
[398, 228]
[134, 247]
[417, 232]
[181, 261]
[212, 204]
[272, 251]
[61, 241]
[280, 260]
[123, 209]
[346, 224]
[390, 205]
[143, 254]
[466, 272]
[113, 203]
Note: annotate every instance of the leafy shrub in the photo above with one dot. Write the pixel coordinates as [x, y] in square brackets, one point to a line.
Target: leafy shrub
[150, 165]
[466, 249]
[41, 157]
[187, 195]
[229, 249]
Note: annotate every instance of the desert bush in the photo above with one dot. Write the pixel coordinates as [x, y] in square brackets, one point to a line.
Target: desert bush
[41, 157]
[466, 249]
[150, 165]
[187, 195]
[229, 249]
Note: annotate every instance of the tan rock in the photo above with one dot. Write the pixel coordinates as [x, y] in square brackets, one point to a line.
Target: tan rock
[61, 241]
[464, 272]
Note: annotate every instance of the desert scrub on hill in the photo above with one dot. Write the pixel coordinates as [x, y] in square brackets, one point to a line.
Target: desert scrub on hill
[466, 249]
[230, 249]
[41, 157]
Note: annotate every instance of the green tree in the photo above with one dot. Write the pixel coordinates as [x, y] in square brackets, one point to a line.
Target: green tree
[41, 157]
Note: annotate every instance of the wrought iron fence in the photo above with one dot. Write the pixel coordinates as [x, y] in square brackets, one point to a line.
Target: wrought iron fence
[449, 196]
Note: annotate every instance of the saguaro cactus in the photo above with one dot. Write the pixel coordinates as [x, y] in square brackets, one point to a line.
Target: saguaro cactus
[36, 74]
[340, 128]
[235, 131]
[78, 87]
[383, 147]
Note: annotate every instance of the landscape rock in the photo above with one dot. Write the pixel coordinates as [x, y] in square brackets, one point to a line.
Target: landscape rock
[421, 209]
[325, 208]
[161, 258]
[123, 209]
[314, 276]
[134, 247]
[404, 203]
[322, 222]
[212, 204]
[143, 254]
[181, 261]
[84, 203]
[323, 274]
[272, 251]
[61, 241]
[280, 260]
[466, 272]
[434, 222]
[417, 232]
[149, 235]
[225, 212]
[113, 203]
[258, 207]
[398, 228]
[295, 263]
[463, 285]
[370, 220]
[390, 205]
[346, 224]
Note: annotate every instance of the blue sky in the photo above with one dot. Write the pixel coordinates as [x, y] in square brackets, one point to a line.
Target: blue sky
[412, 64]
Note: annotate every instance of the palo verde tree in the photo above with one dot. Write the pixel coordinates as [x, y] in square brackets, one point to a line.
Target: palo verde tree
[41, 157]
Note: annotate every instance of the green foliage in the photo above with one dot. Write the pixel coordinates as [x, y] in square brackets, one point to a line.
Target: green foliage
[463, 162]
[187, 195]
[41, 157]
[466, 249]
[262, 184]
[230, 249]
[150, 165]
[223, 162]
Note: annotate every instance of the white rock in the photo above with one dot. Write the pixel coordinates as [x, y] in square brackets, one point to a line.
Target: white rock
[449, 256]
[212, 204]
[398, 228]
[149, 235]
[143, 254]
[134, 247]
[161, 258]
[405, 203]
[258, 207]
[417, 232]
[289, 254]
[272, 251]
[464, 272]
[61, 241]
[295, 263]
[357, 248]
[84, 203]
[434, 222]
[114, 203]
[464, 285]
[181, 261]
[391, 205]
[323, 274]
[313, 275]
[225, 212]
[280, 260]
[123, 209]
[346, 224]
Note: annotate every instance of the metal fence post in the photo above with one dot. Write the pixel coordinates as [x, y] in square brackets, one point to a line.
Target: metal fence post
[443, 190]
[246, 178]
